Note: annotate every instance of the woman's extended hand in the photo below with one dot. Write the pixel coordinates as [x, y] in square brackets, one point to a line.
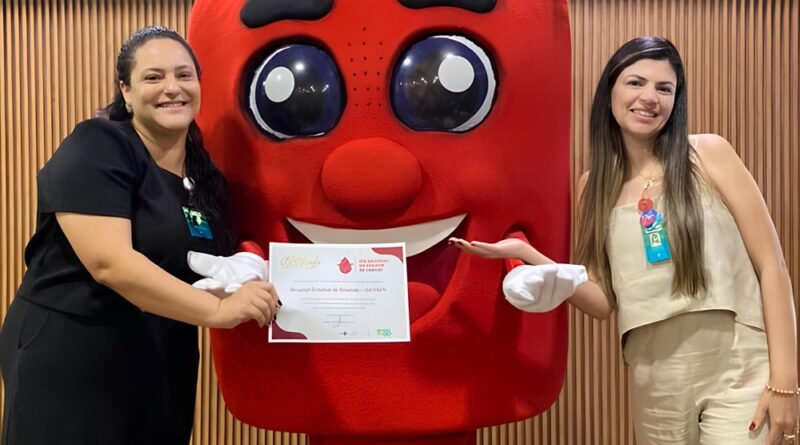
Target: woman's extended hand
[503, 249]
[254, 300]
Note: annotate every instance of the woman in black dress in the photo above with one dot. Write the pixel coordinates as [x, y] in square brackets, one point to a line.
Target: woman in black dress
[99, 345]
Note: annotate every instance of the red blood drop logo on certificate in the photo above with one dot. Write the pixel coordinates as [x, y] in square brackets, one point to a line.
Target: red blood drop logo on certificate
[345, 266]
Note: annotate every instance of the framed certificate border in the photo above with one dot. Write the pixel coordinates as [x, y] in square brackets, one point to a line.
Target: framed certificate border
[340, 293]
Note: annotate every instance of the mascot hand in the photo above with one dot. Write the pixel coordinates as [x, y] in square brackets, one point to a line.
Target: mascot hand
[226, 274]
[542, 288]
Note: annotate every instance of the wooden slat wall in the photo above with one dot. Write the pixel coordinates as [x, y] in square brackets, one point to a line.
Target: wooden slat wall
[742, 57]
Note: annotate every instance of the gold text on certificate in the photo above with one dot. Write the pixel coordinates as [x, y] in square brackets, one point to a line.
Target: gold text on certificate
[300, 262]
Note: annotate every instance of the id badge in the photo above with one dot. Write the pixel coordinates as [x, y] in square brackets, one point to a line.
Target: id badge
[197, 223]
[656, 244]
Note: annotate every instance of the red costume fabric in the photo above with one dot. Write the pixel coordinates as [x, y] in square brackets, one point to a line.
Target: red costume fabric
[368, 143]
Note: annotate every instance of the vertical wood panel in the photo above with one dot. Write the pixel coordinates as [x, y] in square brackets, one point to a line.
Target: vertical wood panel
[743, 67]
[6, 277]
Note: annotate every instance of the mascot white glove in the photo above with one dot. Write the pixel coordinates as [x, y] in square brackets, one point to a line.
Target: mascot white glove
[226, 274]
[542, 288]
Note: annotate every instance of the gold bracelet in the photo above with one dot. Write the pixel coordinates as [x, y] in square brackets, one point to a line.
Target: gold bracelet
[783, 392]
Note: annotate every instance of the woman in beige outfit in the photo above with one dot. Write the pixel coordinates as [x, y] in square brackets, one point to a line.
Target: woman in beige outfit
[677, 238]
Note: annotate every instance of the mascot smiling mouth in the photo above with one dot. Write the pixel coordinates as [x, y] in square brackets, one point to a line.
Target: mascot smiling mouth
[431, 261]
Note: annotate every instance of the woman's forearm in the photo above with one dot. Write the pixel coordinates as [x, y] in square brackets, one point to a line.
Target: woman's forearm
[153, 290]
[590, 298]
[103, 245]
[781, 326]
[531, 255]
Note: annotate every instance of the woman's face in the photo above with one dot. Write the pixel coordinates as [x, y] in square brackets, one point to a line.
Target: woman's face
[164, 90]
[643, 97]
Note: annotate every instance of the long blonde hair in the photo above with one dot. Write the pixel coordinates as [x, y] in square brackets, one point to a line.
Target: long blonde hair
[607, 164]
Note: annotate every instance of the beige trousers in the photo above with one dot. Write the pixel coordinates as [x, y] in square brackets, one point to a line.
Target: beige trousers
[696, 379]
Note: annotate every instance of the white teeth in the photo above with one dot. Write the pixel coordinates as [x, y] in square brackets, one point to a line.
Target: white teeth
[418, 237]
[644, 113]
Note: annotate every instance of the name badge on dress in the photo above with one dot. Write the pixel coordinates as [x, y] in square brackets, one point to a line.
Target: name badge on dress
[656, 244]
[197, 223]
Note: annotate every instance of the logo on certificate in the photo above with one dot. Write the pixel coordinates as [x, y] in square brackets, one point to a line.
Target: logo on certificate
[300, 262]
[345, 266]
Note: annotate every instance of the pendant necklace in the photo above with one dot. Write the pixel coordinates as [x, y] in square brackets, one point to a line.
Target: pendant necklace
[196, 220]
[654, 233]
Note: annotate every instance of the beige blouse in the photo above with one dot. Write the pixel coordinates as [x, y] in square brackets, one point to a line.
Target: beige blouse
[644, 291]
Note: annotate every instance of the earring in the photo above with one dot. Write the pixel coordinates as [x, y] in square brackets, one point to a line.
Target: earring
[128, 108]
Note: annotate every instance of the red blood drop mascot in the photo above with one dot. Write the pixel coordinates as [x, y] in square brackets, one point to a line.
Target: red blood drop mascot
[395, 120]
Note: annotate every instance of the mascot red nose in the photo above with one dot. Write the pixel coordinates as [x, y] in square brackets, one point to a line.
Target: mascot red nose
[386, 121]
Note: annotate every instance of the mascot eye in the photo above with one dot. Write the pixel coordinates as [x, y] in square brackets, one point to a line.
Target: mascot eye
[296, 91]
[443, 83]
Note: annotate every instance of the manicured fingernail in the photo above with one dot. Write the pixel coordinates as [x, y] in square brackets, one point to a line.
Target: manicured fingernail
[752, 426]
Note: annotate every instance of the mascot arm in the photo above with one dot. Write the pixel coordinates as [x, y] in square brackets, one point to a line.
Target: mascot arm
[542, 288]
[226, 274]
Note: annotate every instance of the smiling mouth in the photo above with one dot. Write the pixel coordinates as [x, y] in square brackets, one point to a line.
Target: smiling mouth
[171, 104]
[418, 237]
[643, 113]
[430, 260]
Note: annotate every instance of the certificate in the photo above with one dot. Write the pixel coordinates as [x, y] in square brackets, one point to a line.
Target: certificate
[339, 293]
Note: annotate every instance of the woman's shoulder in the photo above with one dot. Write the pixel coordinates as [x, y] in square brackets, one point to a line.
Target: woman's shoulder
[96, 141]
[717, 160]
[709, 146]
[713, 153]
[99, 126]
[99, 132]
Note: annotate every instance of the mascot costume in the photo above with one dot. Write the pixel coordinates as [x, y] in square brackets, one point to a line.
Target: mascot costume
[386, 121]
